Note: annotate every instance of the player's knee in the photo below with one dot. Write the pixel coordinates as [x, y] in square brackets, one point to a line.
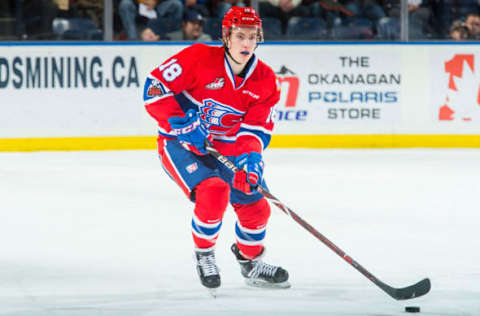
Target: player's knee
[253, 215]
[216, 187]
[211, 197]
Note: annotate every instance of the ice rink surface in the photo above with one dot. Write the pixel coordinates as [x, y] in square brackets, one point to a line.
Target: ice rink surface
[108, 233]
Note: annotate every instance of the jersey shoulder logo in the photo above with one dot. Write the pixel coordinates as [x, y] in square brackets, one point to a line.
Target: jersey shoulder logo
[155, 89]
[216, 85]
[218, 117]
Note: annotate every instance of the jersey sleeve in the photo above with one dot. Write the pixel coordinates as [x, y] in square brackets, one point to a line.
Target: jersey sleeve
[167, 80]
[256, 128]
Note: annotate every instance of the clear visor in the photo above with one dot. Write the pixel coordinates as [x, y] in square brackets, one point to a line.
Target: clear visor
[245, 27]
[248, 30]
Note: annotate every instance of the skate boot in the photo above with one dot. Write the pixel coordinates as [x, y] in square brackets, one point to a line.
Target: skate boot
[207, 269]
[260, 274]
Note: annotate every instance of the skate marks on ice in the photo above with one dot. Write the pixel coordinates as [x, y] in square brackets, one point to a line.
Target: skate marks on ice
[231, 301]
[64, 208]
[40, 291]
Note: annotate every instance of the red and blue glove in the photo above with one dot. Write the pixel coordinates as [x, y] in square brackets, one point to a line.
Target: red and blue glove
[190, 132]
[250, 175]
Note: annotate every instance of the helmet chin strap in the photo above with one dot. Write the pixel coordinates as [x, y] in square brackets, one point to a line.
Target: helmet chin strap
[225, 46]
[230, 55]
[228, 51]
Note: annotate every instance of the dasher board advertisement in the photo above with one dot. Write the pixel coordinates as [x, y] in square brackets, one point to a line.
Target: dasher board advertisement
[337, 89]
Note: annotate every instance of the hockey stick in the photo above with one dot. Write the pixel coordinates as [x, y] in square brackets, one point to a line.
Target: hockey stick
[405, 293]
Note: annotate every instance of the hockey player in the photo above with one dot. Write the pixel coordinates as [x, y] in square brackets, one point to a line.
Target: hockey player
[224, 95]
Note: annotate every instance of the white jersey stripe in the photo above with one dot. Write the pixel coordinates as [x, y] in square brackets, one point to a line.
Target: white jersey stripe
[249, 243]
[162, 131]
[174, 168]
[203, 236]
[256, 128]
[251, 231]
[191, 98]
[253, 135]
[203, 224]
[155, 99]
[231, 76]
[225, 138]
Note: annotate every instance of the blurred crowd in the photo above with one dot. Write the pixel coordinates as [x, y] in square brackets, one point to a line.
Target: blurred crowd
[200, 20]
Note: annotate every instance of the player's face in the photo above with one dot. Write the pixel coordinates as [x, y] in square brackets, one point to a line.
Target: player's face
[242, 43]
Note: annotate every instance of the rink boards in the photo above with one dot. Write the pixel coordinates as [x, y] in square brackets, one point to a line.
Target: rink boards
[75, 96]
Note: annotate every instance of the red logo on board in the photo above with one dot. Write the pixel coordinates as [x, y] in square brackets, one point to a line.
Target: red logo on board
[462, 101]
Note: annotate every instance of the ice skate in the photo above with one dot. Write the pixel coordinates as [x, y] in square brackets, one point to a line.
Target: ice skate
[260, 274]
[207, 270]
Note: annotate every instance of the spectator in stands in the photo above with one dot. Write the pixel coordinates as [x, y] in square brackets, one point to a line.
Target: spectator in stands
[90, 9]
[465, 7]
[370, 9]
[7, 14]
[6, 9]
[149, 35]
[132, 13]
[419, 12]
[472, 22]
[349, 19]
[447, 11]
[220, 7]
[197, 5]
[458, 31]
[282, 10]
[38, 15]
[330, 10]
[192, 28]
[66, 8]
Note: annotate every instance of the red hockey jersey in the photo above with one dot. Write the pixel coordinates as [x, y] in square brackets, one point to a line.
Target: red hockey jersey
[236, 110]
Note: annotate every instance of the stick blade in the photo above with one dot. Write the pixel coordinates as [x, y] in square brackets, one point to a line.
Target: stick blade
[409, 292]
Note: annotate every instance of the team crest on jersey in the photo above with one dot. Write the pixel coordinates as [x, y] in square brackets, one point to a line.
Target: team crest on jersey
[218, 117]
[155, 89]
[216, 85]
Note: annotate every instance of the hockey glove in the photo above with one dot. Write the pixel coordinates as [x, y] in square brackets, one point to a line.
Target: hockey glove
[190, 132]
[250, 176]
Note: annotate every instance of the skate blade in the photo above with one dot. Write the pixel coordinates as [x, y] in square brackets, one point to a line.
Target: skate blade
[212, 292]
[266, 285]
